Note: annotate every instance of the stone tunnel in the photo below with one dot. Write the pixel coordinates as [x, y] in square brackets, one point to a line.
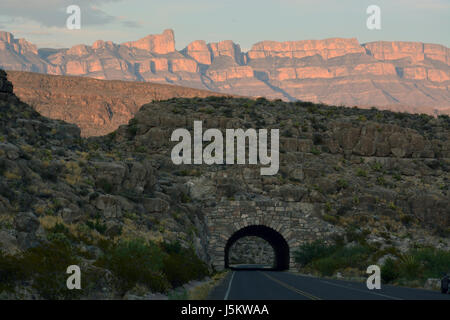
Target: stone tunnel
[284, 225]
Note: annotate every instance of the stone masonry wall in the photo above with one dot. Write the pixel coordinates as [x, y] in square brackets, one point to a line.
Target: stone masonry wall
[293, 220]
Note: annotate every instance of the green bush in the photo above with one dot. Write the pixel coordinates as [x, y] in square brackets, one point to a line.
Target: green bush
[326, 266]
[410, 267]
[435, 262]
[327, 259]
[96, 225]
[10, 272]
[182, 265]
[46, 265]
[341, 258]
[354, 257]
[308, 252]
[136, 262]
[417, 264]
[342, 184]
[389, 271]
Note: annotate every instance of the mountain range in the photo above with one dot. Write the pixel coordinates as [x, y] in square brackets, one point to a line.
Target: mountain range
[401, 76]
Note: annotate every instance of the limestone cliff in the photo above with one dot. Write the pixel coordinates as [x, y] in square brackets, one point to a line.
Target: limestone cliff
[412, 76]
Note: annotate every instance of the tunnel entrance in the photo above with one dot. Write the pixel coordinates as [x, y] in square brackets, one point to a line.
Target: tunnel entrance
[273, 237]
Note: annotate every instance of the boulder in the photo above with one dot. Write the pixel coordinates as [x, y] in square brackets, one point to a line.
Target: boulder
[8, 242]
[110, 206]
[26, 222]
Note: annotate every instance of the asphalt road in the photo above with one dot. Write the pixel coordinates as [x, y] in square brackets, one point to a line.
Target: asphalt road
[273, 285]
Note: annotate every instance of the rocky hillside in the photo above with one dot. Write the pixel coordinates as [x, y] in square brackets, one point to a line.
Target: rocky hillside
[403, 76]
[97, 107]
[74, 200]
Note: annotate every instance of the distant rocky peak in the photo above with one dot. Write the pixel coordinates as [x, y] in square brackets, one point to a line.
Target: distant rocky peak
[100, 44]
[20, 46]
[226, 48]
[6, 36]
[199, 51]
[160, 43]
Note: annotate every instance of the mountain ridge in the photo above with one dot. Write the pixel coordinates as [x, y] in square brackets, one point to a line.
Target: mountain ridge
[97, 107]
[333, 71]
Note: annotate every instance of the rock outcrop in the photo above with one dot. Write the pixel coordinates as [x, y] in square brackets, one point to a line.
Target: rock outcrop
[407, 76]
[327, 49]
[96, 106]
[160, 44]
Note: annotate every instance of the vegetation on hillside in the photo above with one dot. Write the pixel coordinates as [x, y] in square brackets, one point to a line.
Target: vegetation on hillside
[351, 259]
[150, 266]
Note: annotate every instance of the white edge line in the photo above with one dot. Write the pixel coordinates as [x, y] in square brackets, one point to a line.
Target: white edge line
[229, 287]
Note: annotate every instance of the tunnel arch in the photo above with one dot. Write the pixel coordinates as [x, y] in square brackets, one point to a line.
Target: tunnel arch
[273, 237]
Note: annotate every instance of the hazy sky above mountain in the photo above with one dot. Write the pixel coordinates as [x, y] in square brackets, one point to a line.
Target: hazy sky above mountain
[43, 22]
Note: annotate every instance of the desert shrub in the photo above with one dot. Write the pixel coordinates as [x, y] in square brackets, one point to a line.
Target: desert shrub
[10, 272]
[330, 218]
[410, 267]
[96, 225]
[308, 252]
[182, 265]
[389, 271]
[327, 259]
[59, 228]
[172, 247]
[46, 265]
[434, 262]
[343, 257]
[342, 184]
[354, 256]
[417, 264]
[361, 172]
[136, 262]
[326, 266]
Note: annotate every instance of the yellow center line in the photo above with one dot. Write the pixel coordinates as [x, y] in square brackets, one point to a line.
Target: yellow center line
[300, 292]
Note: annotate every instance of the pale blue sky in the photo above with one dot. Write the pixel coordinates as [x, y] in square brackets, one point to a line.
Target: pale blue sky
[244, 21]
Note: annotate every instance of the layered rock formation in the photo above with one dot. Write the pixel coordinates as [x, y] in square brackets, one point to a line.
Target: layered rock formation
[408, 76]
[96, 106]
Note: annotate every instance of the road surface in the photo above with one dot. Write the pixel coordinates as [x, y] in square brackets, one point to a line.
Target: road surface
[272, 285]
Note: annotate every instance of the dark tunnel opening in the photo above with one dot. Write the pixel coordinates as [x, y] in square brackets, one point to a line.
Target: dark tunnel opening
[273, 237]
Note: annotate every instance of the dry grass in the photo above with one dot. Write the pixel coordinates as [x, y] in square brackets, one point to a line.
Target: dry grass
[6, 220]
[202, 291]
[74, 175]
[12, 175]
